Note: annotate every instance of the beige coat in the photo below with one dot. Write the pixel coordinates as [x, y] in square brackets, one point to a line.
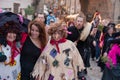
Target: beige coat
[44, 66]
[86, 31]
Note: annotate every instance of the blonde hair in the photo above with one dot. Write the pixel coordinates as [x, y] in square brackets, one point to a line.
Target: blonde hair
[81, 15]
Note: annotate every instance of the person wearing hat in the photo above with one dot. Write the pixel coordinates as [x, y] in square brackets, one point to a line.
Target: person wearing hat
[109, 35]
[10, 52]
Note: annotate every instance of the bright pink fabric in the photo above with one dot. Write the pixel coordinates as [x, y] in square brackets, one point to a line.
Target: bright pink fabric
[24, 36]
[20, 18]
[115, 50]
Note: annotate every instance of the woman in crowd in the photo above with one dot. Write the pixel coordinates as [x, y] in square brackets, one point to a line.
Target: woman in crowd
[109, 35]
[33, 44]
[10, 47]
[112, 67]
[60, 60]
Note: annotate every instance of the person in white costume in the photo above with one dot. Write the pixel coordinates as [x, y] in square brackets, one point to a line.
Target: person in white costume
[10, 47]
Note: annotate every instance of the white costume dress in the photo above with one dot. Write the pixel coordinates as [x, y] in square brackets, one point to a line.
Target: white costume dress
[8, 72]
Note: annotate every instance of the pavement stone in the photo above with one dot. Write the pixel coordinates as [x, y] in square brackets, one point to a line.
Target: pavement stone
[94, 72]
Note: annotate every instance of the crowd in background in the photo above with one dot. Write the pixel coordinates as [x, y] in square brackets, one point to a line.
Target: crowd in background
[57, 48]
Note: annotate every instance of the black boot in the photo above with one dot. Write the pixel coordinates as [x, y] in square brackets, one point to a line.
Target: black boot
[85, 70]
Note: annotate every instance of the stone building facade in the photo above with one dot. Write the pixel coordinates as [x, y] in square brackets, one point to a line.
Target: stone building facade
[107, 8]
[14, 5]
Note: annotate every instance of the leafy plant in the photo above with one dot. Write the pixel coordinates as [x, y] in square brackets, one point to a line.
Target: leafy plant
[100, 27]
[104, 59]
[29, 10]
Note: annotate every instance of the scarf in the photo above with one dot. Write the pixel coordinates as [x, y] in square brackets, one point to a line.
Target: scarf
[14, 51]
[53, 42]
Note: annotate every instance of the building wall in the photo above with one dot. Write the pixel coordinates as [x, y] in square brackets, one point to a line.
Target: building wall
[100, 5]
[116, 11]
[10, 4]
[107, 8]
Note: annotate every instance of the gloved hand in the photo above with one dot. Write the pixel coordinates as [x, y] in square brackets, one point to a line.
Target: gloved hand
[2, 57]
[3, 41]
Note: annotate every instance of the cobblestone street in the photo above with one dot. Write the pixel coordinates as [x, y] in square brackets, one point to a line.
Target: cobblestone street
[94, 72]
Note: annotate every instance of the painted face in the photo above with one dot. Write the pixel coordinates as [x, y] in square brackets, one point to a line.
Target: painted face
[11, 37]
[34, 32]
[79, 22]
[57, 35]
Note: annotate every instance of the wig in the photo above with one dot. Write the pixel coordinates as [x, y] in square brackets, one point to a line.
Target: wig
[57, 27]
[11, 27]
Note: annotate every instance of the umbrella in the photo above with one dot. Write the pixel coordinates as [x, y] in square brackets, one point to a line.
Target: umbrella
[24, 25]
[9, 16]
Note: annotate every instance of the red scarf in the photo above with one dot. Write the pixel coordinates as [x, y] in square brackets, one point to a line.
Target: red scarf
[53, 42]
[14, 51]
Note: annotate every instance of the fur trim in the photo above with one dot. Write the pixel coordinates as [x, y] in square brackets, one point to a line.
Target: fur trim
[86, 31]
[112, 55]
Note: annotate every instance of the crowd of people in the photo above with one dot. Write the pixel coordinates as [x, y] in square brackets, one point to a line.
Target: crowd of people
[58, 49]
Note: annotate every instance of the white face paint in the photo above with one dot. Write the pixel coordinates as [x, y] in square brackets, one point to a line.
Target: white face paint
[11, 37]
[57, 35]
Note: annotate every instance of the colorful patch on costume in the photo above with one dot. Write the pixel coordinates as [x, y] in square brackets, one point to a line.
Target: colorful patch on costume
[73, 48]
[70, 72]
[18, 45]
[51, 77]
[53, 53]
[66, 51]
[55, 63]
[63, 76]
[14, 74]
[73, 79]
[7, 49]
[19, 76]
[43, 59]
[67, 61]
[8, 77]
